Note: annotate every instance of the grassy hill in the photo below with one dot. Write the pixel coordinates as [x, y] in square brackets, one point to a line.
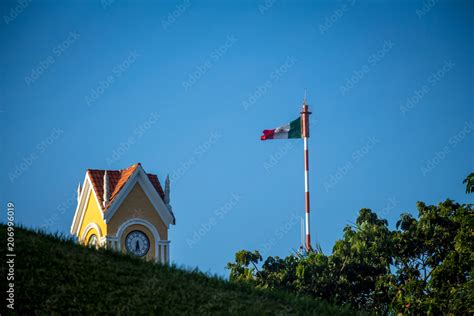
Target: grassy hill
[54, 275]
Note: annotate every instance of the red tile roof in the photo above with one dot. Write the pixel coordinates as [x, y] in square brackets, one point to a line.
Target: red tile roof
[117, 179]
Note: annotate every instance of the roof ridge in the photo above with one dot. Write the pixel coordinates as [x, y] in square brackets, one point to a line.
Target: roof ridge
[118, 170]
[117, 181]
[104, 170]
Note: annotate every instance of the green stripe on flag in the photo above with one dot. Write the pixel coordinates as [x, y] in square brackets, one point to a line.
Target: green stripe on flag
[295, 129]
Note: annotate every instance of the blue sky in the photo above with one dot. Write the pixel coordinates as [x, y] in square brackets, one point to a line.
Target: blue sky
[186, 88]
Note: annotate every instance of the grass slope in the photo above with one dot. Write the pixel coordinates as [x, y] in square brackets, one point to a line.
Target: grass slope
[53, 275]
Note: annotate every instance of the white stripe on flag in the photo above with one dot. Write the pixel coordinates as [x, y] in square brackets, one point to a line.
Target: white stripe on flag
[282, 132]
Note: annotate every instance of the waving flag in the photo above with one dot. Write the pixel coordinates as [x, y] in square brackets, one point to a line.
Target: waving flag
[290, 130]
[298, 128]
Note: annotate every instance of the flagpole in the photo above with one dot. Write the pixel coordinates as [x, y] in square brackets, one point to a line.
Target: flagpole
[305, 127]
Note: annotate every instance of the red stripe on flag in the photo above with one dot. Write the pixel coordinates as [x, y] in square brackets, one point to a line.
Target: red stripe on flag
[267, 134]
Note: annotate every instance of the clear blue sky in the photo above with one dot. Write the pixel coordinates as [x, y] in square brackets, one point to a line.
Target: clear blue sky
[186, 88]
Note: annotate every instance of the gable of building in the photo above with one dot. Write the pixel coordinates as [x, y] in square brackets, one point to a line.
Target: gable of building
[92, 221]
[92, 210]
[137, 205]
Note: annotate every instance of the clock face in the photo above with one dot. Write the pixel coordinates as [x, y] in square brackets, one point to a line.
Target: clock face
[137, 243]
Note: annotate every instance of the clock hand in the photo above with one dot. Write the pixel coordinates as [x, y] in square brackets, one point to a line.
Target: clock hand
[137, 246]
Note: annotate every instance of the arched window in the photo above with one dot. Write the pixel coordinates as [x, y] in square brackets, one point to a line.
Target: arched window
[93, 242]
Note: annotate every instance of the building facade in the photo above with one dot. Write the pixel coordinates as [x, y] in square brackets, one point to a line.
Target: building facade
[124, 210]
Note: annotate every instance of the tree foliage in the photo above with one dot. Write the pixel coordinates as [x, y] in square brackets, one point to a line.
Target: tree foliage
[433, 257]
[424, 266]
[469, 181]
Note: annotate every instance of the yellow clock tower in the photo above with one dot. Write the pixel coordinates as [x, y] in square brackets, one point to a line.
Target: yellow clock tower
[124, 210]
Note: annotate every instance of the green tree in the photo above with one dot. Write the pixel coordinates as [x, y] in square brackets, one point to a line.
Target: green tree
[433, 257]
[469, 181]
[424, 266]
[349, 276]
[315, 276]
[240, 270]
[361, 258]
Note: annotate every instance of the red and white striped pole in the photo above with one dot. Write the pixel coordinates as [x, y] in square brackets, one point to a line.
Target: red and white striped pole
[305, 126]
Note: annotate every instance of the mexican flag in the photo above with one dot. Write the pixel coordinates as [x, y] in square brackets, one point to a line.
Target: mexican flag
[290, 130]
